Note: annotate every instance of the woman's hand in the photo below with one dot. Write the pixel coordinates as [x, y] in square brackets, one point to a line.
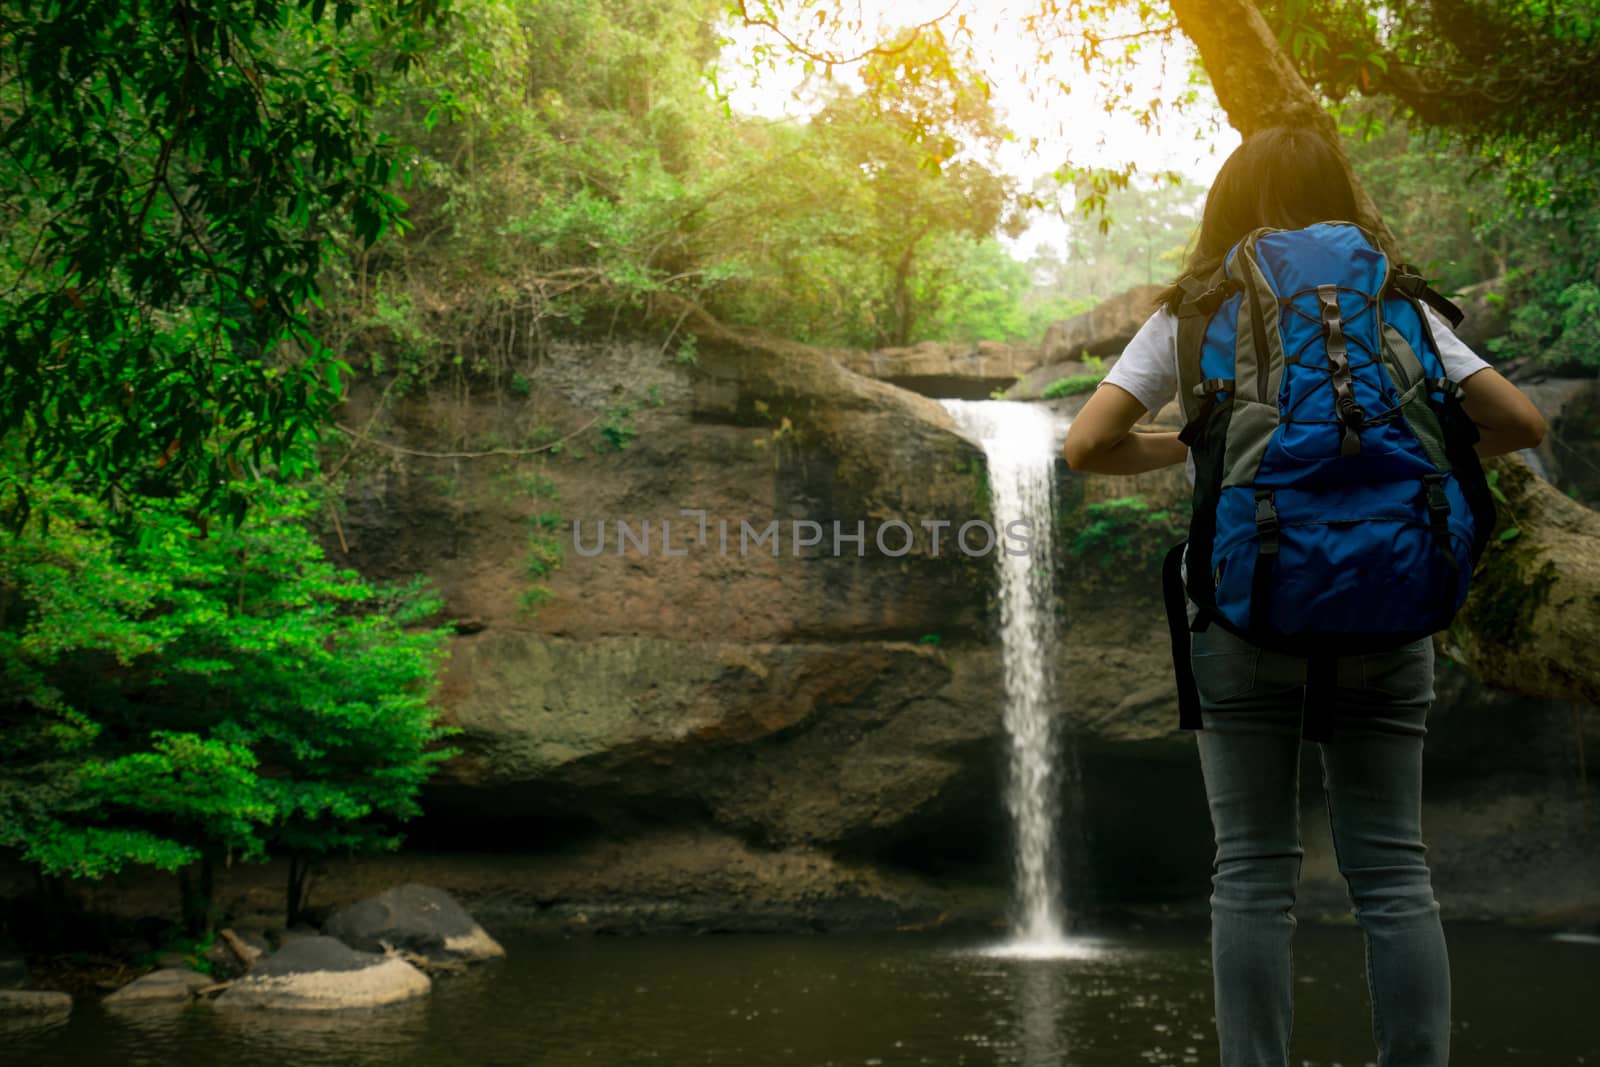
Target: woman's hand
[1101, 438]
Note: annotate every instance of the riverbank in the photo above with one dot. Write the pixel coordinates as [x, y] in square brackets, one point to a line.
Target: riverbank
[1518, 860]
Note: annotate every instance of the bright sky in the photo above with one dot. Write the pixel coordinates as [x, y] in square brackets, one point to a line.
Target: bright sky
[1071, 128]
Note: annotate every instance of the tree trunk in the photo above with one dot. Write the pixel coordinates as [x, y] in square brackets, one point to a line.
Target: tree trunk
[295, 899]
[1257, 84]
[1530, 621]
[196, 889]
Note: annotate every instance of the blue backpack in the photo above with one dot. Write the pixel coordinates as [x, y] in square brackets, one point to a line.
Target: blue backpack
[1339, 507]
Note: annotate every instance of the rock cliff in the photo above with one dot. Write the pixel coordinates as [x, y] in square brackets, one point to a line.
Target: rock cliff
[689, 708]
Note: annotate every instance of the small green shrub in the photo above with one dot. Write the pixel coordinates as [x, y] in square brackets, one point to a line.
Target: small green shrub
[1078, 383]
[1126, 533]
[616, 427]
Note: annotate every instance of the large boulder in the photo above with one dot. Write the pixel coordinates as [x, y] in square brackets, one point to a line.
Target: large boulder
[1103, 330]
[414, 918]
[325, 974]
[170, 985]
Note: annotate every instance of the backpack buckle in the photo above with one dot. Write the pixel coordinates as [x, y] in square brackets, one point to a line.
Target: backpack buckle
[1266, 522]
[1408, 280]
[1438, 502]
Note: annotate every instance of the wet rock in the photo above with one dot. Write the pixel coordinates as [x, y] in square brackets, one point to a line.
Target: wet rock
[170, 985]
[414, 918]
[325, 974]
[33, 1003]
[234, 953]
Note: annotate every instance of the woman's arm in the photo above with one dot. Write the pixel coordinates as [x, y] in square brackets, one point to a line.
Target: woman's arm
[1101, 438]
[1506, 418]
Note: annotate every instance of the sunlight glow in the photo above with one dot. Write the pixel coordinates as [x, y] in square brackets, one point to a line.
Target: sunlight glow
[1053, 129]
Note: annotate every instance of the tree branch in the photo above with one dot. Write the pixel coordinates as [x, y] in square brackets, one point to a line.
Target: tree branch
[838, 60]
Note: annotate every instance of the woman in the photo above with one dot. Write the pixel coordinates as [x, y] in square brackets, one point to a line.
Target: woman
[1250, 697]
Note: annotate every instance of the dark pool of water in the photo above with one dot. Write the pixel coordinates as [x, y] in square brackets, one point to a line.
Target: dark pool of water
[752, 1001]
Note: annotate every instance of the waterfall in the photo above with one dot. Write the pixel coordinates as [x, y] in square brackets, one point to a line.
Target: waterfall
[1019, 442]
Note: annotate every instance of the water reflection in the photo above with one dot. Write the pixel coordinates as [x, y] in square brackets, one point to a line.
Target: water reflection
[30, 1026]
[1132, 998]
[353, 1036]
[1039, 1007]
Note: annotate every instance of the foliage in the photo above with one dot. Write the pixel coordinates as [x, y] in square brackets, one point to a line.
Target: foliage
[1448, 204]
[1445, 203]
[1126, 534]
[195, 695]
[572, 175]
[1569, 323]
[546, 552]
[616, 428]
[174, 177]
[1072, 386]
[1516, 78]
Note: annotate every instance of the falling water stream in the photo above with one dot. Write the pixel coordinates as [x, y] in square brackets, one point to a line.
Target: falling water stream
[1019, 441]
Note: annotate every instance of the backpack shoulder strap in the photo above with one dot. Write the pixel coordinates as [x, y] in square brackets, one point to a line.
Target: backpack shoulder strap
[1406, 280]
[1200, 301]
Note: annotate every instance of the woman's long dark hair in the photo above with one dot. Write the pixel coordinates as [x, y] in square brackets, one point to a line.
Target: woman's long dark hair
[1283, 176]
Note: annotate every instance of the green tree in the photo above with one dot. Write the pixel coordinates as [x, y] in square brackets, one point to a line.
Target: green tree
[192, 697]
[923, 135]
[576, 173]
[1504, 75]
[173, 179]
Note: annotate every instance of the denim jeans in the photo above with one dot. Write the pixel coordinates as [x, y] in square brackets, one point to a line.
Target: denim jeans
[1372, 772]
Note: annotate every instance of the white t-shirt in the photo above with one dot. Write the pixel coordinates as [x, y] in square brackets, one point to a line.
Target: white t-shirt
[1148, 367]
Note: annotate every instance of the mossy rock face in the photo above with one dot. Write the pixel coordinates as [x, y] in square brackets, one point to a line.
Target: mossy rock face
[1112, 535]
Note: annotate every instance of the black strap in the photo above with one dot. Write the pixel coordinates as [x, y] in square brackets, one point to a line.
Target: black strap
[1266, 557]
[1408, 281]
[1350, 414]
[1444, 385]
[1316, 716]
[1195, 428]
[1439, 516]
[1178, 627]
